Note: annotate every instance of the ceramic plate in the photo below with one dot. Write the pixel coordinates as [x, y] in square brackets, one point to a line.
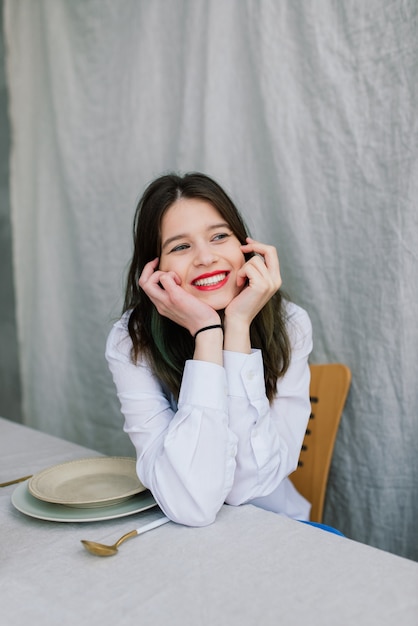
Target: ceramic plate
[96, 482]
[24, 502]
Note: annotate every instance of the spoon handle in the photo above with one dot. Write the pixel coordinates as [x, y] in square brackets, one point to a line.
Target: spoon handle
[158, 522]
[143, 529]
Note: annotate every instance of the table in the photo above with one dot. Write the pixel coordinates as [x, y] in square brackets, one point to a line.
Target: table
[250, 567]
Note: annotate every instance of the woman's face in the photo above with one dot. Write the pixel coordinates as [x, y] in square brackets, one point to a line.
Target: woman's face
[200, 247]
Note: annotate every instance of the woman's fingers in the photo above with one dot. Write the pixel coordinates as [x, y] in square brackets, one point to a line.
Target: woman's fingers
[169, 279]
[148, 272]
[259, 278]
[152, 279]
[265, 259]
[163, 289]
[171, 300]
[265, 251]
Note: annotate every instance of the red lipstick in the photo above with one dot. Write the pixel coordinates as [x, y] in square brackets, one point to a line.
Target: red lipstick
[209, 285]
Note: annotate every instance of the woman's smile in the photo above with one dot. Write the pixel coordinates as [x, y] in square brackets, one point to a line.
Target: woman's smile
[208, 282]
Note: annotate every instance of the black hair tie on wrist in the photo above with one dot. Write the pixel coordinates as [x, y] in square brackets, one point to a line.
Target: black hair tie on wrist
[207, 328]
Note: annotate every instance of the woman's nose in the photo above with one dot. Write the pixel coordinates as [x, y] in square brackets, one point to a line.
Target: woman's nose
[205, 255]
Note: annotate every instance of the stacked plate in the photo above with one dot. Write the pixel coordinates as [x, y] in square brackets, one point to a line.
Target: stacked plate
[85, 490]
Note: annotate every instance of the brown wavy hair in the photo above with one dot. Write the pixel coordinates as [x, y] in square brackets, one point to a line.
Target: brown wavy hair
[165, 345]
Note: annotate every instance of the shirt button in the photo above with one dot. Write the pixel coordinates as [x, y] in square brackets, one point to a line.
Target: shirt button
[250, 375]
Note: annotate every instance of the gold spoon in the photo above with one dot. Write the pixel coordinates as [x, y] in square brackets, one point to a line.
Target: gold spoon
[101, 549]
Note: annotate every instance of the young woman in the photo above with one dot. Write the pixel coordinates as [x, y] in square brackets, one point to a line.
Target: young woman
[209, 361]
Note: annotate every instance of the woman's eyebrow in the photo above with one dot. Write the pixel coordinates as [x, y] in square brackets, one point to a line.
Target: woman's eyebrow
[186, 235]
[171, 239]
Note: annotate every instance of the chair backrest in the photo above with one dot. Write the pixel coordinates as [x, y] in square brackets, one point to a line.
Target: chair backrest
[329, 388]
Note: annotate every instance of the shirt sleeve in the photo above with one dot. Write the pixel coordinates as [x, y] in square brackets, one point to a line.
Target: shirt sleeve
[185, 455]
[269, 436]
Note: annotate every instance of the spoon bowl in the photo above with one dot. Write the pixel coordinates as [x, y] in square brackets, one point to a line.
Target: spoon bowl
[101, 549]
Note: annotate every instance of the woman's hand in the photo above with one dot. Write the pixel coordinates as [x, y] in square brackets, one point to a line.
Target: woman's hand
[172, 301]
[260, 278]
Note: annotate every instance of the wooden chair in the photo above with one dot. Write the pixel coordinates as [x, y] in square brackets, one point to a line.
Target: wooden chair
[329, 388]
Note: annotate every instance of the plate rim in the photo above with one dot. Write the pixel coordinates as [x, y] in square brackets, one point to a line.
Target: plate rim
[39, 495]
[25, 503]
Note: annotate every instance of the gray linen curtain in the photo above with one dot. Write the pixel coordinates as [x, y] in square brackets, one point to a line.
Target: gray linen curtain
[306, 111]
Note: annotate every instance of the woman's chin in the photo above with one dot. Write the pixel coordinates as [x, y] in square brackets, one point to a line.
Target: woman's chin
[218, 302]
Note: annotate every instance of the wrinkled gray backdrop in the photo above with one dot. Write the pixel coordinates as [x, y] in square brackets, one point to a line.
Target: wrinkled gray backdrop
[306, 111]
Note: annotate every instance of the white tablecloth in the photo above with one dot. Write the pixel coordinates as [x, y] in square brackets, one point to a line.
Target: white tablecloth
[250, 567]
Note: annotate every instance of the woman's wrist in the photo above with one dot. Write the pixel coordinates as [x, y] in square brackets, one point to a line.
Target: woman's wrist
[210, 327]
[205, 322]
[237, 336]
[209, 344]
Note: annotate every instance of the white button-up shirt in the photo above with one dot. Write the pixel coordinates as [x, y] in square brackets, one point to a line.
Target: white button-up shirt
[223, 441]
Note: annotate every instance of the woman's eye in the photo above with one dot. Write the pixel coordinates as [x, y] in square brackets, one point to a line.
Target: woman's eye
[182, 246]
[220, 236]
